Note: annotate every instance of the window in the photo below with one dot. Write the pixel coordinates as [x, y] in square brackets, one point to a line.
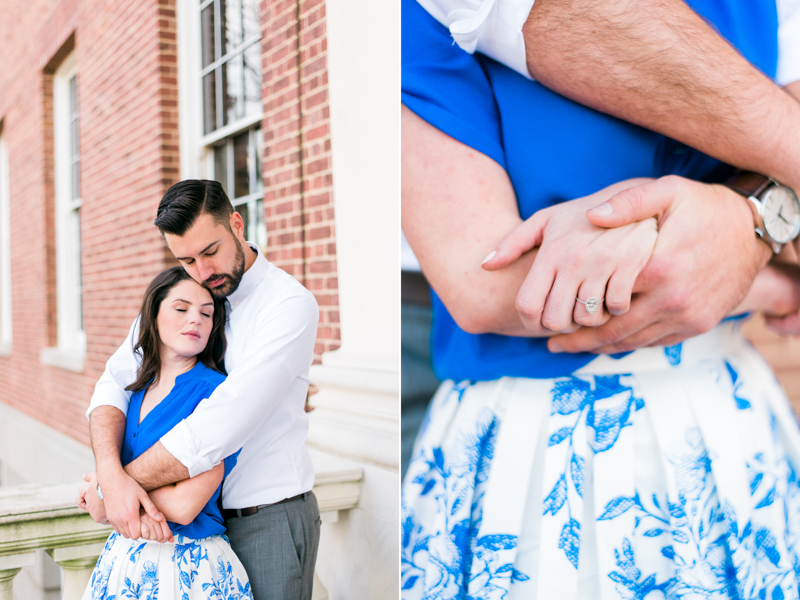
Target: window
[230, 76]
[5, 253]
[71, 349]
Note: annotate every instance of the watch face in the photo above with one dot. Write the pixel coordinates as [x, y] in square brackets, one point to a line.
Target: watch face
[781, 214]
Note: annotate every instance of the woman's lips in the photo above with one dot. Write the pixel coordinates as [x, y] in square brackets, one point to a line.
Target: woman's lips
[192, 334]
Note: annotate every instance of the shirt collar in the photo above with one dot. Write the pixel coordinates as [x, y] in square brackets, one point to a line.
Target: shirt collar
[250, 279]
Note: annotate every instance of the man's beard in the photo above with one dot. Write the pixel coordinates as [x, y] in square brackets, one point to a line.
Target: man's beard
[232, 280]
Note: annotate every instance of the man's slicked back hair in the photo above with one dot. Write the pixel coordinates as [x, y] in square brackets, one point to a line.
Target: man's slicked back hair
[187, 200]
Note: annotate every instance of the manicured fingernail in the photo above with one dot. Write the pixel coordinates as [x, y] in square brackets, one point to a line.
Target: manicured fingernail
[490, 257]
[604, 210]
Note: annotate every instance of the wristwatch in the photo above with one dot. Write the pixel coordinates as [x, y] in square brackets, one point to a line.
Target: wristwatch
[776, 209]
[99, 492]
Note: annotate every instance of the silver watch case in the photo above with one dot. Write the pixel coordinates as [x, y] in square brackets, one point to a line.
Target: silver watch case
[761, 229]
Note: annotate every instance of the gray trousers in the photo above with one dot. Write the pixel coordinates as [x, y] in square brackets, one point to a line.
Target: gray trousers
[278, 548]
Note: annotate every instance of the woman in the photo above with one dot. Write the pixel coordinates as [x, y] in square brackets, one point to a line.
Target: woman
[667, 472]
[181, 344]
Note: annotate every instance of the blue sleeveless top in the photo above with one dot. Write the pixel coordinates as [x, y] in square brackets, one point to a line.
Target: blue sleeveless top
[553, 149]
[189, 390]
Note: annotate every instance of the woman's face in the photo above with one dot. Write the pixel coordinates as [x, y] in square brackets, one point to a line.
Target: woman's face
[185, 318]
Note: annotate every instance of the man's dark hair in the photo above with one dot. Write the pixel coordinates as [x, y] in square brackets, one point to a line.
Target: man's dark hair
[187, 200]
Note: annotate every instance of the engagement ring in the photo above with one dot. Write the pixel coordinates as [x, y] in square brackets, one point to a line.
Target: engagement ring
[591, 304]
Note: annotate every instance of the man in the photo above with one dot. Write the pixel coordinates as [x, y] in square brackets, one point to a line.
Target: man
[270, 512]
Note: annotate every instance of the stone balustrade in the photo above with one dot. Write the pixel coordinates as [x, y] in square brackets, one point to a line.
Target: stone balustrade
[34, 517]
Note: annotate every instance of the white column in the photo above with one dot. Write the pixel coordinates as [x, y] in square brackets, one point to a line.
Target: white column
[358, 406]
[9, 567]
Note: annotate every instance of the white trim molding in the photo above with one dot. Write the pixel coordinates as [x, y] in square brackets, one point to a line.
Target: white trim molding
[71, 349]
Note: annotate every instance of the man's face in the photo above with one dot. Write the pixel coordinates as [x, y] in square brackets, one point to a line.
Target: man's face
[211, 254]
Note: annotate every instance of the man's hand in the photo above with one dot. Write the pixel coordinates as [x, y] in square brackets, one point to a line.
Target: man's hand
[123, 499]
[704, 262]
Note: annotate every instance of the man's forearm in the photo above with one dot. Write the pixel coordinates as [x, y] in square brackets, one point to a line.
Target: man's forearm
[156, 468]
[106, 428]
[153, 469]
[657, 64]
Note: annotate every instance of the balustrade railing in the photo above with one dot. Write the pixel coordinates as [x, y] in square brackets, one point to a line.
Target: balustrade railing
[34, 517]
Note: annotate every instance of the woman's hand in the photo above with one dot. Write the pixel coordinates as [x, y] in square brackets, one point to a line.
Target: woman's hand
[776, 293]
[576, 260]
[89, 501]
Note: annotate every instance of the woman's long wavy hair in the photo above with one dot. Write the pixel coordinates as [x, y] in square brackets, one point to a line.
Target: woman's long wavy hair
[148, 347]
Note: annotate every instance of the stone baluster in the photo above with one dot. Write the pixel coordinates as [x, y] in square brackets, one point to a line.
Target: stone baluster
[78, 563]
[9, 567]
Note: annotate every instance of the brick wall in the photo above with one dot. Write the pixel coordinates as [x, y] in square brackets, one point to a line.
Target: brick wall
[127, 88]
[127, 85]
[297, 157]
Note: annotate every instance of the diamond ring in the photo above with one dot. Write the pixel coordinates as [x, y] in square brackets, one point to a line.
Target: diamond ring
[591, 304]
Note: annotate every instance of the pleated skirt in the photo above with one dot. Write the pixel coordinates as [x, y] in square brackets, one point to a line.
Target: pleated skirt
[669, 473]
[187, 569]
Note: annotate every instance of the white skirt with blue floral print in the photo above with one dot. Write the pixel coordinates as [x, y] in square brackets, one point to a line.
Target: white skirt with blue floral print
[184, 570]
[669, 473]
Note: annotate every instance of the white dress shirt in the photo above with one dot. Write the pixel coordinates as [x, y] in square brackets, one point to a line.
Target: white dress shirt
[260, 407]
[494, 28]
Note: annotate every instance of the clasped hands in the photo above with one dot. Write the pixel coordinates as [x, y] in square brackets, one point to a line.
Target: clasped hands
[671, 256]
[125, 506]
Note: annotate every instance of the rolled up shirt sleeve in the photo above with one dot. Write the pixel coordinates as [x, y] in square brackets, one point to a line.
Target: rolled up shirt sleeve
[279, 349]
[119, 373]
[491, 27]
[788, 41]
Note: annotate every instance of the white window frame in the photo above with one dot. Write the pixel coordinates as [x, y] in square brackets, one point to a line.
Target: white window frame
[70, 353]
[197, 149]
[5, 253]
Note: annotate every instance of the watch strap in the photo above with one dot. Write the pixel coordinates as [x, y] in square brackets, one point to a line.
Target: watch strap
[748, 183]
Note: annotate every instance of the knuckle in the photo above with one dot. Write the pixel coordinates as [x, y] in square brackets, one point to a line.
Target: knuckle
[617, 302]
[527, 308]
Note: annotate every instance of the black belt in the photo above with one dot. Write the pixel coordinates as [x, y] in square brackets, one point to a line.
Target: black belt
[232, 513]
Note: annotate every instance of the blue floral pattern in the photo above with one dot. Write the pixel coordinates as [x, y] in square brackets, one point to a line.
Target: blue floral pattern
[204, 569]
[717, 516]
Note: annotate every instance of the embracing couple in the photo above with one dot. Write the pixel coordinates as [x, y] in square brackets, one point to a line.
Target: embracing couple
[198, 423]
[603, 431]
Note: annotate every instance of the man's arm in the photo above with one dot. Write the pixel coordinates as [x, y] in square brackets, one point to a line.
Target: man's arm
[107, 418]
[655, 63]
[658, 64]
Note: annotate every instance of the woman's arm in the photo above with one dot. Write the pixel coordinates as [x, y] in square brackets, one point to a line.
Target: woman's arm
[459, 205]
[181, 502]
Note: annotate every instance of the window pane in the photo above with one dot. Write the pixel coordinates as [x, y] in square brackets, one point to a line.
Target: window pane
[76, 232]
[252, 79]
[243, 210]
[221, 166]
[207, 33]
[230, 15]
[74, 136]
[259, 154]
[240, 164]
[252, 22]
[210, 102]
[73, 96]
[232, 89]
[76, 180]
[261, 226]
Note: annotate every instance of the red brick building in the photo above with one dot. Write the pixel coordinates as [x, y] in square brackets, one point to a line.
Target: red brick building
[100, 112]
